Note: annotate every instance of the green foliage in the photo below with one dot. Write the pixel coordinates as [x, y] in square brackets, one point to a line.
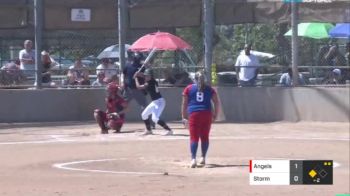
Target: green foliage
[194, 37]
[229, 40]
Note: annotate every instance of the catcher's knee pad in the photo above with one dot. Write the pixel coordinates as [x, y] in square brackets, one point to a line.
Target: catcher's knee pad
[98, 112]
[100, 115]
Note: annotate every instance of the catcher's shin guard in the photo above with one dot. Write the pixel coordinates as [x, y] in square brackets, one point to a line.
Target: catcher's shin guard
[99, 117]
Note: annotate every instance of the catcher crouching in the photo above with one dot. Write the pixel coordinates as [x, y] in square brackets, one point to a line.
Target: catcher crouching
[114, 116]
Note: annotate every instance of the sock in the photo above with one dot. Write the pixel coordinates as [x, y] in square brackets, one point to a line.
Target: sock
[148, 125]
[194, 146]
[153, 125]
[163, 124]
[205, 146]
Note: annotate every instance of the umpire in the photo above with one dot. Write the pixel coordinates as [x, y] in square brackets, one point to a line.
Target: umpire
[130, 90]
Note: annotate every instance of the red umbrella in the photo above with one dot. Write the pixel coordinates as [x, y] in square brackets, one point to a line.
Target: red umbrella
[159, 41]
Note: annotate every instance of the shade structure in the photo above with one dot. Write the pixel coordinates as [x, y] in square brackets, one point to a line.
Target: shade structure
[112, 52]
[159, 41]
[312, 30]
[341, 30]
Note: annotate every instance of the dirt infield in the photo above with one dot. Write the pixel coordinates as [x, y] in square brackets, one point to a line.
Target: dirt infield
[73, 159]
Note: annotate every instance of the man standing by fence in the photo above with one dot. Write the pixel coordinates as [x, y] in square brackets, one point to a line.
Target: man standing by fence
[27, 59]
[247, 67]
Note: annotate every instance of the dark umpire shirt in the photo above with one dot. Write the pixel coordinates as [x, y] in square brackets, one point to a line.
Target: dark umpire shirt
[129, 72]
[153, 90]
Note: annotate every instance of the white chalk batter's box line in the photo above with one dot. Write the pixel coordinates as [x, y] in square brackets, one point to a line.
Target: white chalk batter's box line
[120, 138]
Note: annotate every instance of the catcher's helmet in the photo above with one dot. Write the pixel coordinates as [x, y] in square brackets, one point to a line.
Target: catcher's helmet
[112, 87]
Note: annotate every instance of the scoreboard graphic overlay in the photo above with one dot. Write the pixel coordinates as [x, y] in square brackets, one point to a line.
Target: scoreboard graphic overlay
[291, 172]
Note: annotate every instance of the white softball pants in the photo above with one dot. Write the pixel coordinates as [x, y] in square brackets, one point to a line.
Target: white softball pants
[155, 108]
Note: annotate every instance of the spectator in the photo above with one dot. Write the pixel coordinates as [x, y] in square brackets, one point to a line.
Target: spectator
[247, 67]
[11, 74]
[333, 57]
[47, 63]
[27, 59]
[70, 79]
[287, 78]
[100, 80]
[107, 68]
[322, 53]
[346, 72]
[80, 73]
[85, 80]
[334, 77]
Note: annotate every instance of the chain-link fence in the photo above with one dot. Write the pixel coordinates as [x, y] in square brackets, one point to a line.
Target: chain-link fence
[67, 48]
[321, 61]
[64, 47]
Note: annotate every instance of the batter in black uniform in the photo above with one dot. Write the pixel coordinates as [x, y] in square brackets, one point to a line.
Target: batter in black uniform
[156, 107]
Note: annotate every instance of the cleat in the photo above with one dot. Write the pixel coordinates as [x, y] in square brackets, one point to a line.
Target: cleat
[202, 162]
[104, 131]
[193, 163]
[169, 132]
[153, 125]
[147, 133]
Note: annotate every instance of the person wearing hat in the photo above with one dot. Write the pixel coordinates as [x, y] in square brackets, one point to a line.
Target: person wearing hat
[130, 90]
[114, 116]
[156, 107]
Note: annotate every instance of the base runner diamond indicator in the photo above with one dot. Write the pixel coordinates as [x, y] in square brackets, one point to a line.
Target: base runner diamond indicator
[312, 173]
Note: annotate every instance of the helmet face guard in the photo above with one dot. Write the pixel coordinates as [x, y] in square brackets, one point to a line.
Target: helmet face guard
[112, 89]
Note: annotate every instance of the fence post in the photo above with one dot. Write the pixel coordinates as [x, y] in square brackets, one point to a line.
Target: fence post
[38, 16]
[295, 49]
[208, 20]
[121, 31]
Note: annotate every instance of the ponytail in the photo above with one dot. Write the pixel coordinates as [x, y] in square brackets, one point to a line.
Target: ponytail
[200, 81]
